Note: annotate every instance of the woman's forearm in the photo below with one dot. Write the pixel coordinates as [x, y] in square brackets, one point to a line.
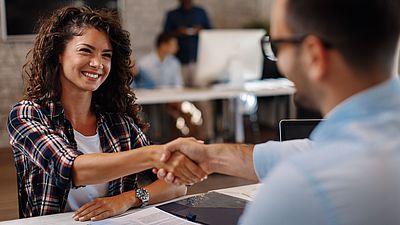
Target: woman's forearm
[103, 167]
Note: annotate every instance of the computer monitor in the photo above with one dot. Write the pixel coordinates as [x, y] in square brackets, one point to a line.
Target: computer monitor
[290, 129]
[19, 17]
[229, 56]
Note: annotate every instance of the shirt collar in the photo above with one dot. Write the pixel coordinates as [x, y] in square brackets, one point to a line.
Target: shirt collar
[56, 110]
[364, 103]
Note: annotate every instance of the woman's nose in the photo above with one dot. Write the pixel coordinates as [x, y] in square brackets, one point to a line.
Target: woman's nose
[96, 62]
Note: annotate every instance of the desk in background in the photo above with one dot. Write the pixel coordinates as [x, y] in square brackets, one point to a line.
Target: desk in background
[262, 88]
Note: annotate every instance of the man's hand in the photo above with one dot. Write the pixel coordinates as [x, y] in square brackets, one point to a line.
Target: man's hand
[102, 208]
[190, 147]
[183, 170]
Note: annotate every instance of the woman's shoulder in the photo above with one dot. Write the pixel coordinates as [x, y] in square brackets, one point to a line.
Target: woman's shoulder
[29, 108]
[26, 106]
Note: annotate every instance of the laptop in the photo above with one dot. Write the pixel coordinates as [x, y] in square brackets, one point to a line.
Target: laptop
[290, 129]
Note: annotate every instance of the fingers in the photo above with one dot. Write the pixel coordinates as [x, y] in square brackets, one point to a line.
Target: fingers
[180, 166]
[196, 170]
[166, 154]
[96, 214]
[179, 144]
[86, 213]
[183, 172]
[102, 216]
[161, 174]
[85, 209]
[170, 178]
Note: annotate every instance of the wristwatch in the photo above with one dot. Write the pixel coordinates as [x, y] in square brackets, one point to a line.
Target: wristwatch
[143, 195]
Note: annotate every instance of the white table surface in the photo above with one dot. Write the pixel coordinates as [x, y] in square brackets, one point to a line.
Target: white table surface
[245, 192]
[269, 87]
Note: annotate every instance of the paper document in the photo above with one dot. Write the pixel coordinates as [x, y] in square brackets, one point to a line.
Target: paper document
[247, 192]
[152, 216]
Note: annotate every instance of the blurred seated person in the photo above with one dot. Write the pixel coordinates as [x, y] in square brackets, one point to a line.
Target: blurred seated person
[161, 69]
[161, 66]
[141, 79]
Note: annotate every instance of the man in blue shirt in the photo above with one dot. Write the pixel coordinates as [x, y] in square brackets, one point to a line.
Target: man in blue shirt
[161, 65]
[343, 62]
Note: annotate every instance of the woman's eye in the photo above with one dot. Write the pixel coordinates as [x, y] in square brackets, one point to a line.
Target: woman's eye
[107, 56]
[86, 50]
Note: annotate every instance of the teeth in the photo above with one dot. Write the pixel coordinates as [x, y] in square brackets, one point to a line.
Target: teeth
[91, 75]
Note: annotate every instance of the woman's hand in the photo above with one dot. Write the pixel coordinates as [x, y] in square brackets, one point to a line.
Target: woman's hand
[181, 167]
[102, 208]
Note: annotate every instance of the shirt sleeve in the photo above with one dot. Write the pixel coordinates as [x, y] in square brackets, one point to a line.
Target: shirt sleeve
[267, 155]
[31, 135]
[284, 198]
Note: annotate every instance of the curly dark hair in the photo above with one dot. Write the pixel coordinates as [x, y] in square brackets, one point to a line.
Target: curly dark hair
[42, 66]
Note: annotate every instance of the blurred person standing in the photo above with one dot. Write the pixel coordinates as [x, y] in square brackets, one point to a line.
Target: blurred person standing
[186, 22]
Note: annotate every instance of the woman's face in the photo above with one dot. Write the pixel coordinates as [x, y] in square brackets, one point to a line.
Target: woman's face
[86, 61]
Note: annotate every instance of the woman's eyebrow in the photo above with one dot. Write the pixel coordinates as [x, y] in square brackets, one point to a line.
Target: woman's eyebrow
[93, 48]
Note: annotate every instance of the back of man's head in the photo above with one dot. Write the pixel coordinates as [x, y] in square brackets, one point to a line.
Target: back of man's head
[365, 32]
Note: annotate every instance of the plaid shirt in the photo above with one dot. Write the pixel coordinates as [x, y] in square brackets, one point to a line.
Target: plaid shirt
[44, 150]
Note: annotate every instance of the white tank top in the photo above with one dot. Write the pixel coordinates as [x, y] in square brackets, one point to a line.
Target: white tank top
[80, 196]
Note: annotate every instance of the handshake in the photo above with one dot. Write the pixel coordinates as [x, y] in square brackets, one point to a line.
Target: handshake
[188, 161]
[184, 161]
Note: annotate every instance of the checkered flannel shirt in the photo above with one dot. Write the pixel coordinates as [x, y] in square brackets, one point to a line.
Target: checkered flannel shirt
[44, 150]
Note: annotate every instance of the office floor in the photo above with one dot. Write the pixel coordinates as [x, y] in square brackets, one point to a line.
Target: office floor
[8, 186]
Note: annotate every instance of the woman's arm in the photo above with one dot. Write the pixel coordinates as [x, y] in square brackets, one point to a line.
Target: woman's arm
[102, 208]
[103, 167]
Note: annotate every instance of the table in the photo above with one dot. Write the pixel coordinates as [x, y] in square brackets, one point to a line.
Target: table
[245, 192]
[262, 88]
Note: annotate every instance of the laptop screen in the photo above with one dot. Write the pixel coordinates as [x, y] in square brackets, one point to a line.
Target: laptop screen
[296, 128]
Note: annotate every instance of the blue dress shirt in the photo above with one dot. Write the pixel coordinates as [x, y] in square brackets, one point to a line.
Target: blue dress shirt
[163, 74]
[349, 175]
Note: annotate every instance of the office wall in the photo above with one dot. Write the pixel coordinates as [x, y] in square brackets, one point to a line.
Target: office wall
[144, 19]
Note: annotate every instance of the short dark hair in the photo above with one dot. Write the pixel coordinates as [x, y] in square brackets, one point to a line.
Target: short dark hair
[365, 32]
[164, 37]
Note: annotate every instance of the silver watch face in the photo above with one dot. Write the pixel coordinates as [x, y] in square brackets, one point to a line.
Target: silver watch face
[143, 195]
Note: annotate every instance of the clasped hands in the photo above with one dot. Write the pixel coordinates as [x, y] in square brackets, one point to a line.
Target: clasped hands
[183, 161]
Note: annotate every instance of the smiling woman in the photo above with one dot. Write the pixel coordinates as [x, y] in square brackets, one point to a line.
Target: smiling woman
[73, 132]
[86, 61]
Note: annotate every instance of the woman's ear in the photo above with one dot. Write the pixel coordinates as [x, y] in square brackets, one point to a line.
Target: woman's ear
[315, 57]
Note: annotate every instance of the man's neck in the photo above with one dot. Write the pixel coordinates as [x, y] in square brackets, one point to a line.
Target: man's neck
[355, 84]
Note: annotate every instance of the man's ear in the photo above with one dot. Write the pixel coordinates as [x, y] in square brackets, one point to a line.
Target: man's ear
[315, 57]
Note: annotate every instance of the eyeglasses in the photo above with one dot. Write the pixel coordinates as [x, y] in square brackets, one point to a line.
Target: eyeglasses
[269, 46]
